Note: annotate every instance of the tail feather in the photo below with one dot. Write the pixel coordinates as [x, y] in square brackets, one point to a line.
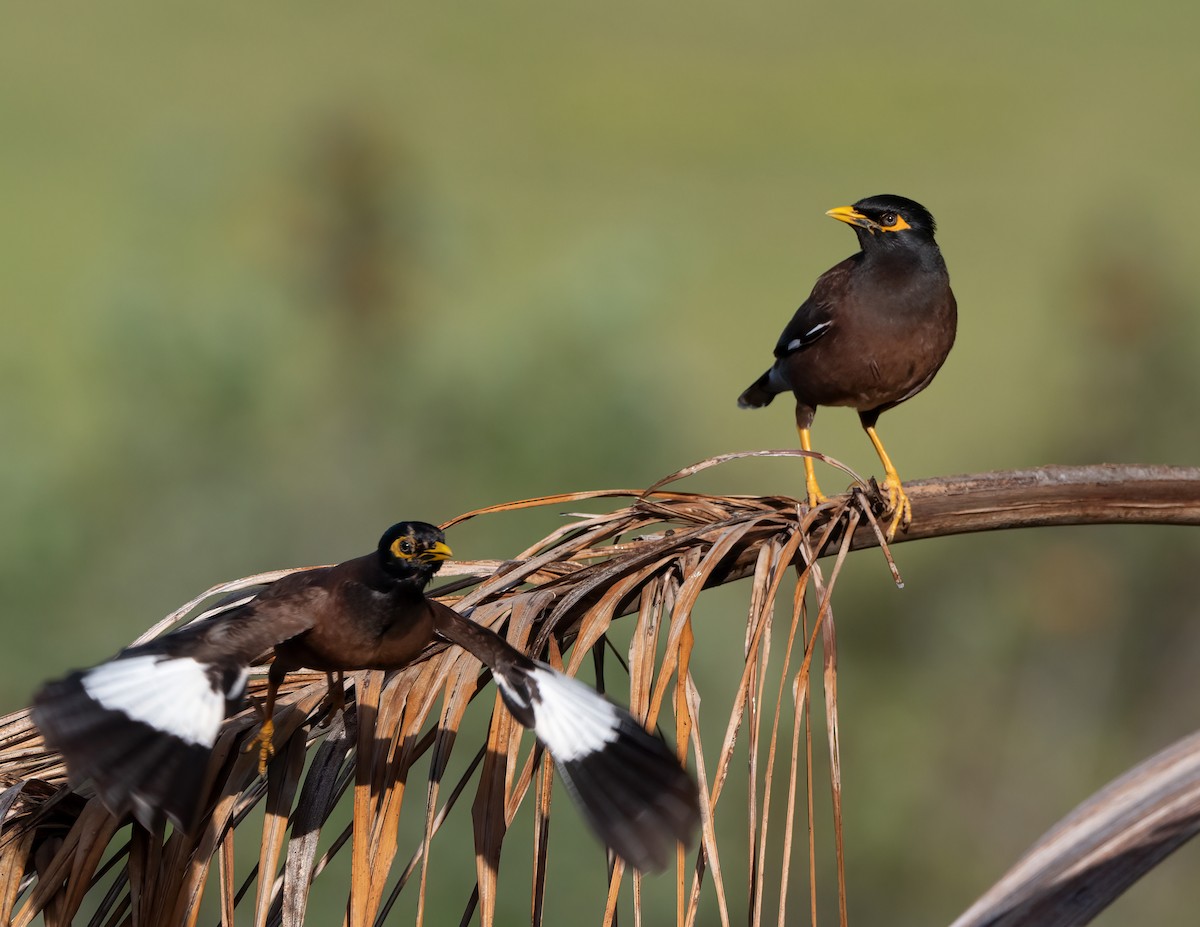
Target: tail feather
[758, 394]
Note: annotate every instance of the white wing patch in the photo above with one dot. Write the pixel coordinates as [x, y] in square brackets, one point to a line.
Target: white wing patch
[811, 335]
[171, 694]
[511, 693]
[570, 717]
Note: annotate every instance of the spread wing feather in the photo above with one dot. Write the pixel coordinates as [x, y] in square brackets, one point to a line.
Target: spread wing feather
[281, 611]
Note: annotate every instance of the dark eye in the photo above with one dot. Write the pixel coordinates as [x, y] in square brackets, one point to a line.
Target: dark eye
[887, 219]
[407, 546]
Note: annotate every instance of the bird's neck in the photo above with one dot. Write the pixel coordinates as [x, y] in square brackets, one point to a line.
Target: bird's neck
[408, 590]
[402, 587]
[906, 258]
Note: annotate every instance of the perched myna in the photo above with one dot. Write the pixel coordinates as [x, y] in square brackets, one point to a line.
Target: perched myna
[141, 725]
[872, 333]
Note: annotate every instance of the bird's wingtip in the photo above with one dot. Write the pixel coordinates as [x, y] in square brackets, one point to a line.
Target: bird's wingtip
[630, 786]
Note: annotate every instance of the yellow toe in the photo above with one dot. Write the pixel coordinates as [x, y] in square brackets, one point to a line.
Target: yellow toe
[898, 505]
[264, 741]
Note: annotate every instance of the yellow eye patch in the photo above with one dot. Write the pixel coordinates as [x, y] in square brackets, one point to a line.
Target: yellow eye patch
[852, 216]
[403, 548]
[896, 226]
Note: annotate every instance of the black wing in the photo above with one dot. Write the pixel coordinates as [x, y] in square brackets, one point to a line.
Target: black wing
[234, 638]
[141, 725]
[630, 787]
[815, 317]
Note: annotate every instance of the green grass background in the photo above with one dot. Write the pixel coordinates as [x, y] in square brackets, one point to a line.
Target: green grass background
[273, 277]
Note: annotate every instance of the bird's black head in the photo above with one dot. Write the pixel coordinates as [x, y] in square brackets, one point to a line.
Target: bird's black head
[886, 220]
[413, 551]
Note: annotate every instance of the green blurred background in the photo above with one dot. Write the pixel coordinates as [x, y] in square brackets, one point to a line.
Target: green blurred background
[275, 277]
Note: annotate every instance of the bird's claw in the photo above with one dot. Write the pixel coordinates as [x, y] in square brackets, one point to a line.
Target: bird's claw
[898, 506]
[811, 489]
[264, 741]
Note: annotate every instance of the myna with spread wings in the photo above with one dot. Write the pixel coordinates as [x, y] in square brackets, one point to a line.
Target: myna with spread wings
[141, 725]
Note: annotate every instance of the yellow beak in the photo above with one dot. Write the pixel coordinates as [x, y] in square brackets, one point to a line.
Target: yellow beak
[851, 216]
[438, 551]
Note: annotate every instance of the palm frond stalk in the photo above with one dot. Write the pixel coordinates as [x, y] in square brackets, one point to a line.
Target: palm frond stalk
[650, 559]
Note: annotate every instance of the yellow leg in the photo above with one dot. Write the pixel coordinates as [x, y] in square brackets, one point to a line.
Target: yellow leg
[815, 496]
[264, 740]
[898, 505]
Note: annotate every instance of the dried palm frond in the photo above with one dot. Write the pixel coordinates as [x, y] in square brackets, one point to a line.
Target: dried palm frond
[649, 559]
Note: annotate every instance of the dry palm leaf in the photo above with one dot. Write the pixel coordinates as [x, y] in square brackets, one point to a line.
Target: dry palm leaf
[652, 558]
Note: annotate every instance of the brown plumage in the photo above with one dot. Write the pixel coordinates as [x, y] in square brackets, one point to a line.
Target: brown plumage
[140, 726]
[873, 333]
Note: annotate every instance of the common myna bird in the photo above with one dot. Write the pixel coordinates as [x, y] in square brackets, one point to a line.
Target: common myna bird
[141, 725]
[873, 332]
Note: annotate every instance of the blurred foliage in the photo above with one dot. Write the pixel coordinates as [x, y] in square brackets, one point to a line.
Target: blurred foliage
[273, 278]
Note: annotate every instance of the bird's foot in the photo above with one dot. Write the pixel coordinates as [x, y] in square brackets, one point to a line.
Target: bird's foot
[815, 496]
[898, 505]
[264, 741]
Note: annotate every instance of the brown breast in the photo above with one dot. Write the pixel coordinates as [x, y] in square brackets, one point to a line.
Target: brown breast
[885, 348]
[362, 628]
